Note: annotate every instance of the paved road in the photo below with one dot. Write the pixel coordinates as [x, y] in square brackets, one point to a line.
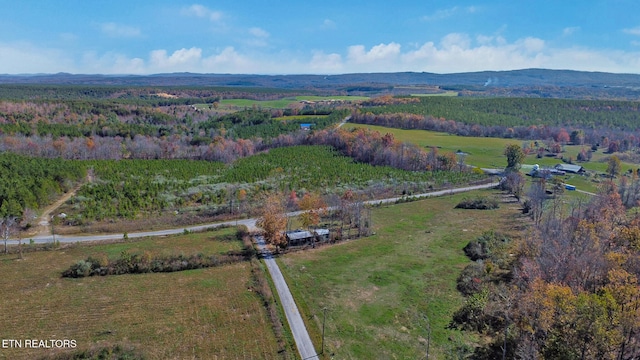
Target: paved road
[299, 331]
[250, 223]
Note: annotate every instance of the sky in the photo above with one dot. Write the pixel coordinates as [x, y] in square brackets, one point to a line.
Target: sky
[317, 37]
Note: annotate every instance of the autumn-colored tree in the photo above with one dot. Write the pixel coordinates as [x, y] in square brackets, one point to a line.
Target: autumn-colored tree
[614, 146]
[242, 197]
[447, 161]
[613, 166]
[273, 221]
[312, 206]
[562, 136]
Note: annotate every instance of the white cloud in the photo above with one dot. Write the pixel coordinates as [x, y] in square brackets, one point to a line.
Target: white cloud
[24, 57]
[328, 24]
[455, 52]
[455, 41]
[326, 63]
[632, 31]
[257, 32]
[180, 60]
[357, 54]
[447, 13]
[568, 31]
[111, 63]
[118, 30]
[68, 37]
[201, 11]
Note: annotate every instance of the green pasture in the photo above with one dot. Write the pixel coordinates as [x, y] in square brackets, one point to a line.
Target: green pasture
[279, 103]
[299, 117]
[446, 93]
[481, 152]
[377, 290]
[487, 152]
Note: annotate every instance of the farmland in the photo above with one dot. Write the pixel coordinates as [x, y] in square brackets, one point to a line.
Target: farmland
[378, 289]
[145, 158]
[481, 152]
[130, 189]
[192, 313]
[487, 152]
[238, 104]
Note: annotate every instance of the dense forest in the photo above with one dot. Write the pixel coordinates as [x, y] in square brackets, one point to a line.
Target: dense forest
[27, 183]
[512, 112]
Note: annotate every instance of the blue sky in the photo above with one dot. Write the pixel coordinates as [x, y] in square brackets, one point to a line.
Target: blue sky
[317, 37]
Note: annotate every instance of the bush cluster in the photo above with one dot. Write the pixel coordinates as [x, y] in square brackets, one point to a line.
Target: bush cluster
[144, 263]
[480, 203]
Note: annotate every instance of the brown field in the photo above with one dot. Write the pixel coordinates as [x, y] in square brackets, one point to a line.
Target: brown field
[209, 313]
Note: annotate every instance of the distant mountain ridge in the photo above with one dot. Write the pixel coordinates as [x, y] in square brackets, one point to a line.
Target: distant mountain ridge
[512, 78]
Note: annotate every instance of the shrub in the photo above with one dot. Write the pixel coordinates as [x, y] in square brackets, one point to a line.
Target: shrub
[480, 203]
[472, 279]
[487, 245]
[144, 263]
[471, 316]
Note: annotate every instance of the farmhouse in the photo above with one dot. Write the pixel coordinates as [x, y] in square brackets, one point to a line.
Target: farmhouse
[570, 168]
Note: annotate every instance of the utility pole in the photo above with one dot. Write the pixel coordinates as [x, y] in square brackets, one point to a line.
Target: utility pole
[324, 318]
[53, 233]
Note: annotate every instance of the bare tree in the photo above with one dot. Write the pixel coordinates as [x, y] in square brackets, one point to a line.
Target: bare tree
[7, 226]
[537, 195]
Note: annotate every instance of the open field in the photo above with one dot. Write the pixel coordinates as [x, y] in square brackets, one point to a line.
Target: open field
[487, 152]
[278, 104]
[300, 117]
[446, 93]
[482, 152]
[207, 313]
[376, 289]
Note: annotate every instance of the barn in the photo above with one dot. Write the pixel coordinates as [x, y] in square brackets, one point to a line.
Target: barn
[570, 168]
[298, 237]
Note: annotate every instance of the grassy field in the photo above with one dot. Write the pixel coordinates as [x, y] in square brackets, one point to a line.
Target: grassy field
[446, 93]
[482, 152]
[488, 152]
[299, 117]
[277, 104]
[208, 313]
[376, 289]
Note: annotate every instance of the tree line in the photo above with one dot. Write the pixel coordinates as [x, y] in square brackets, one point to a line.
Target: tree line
[577, 134]
[567, 290]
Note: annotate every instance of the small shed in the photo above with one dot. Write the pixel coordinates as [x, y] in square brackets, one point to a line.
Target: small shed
[321, 234]
[298, 237]
[570, 168]
[305, 127]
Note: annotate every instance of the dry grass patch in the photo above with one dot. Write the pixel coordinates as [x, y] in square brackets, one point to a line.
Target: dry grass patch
[190, 314]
